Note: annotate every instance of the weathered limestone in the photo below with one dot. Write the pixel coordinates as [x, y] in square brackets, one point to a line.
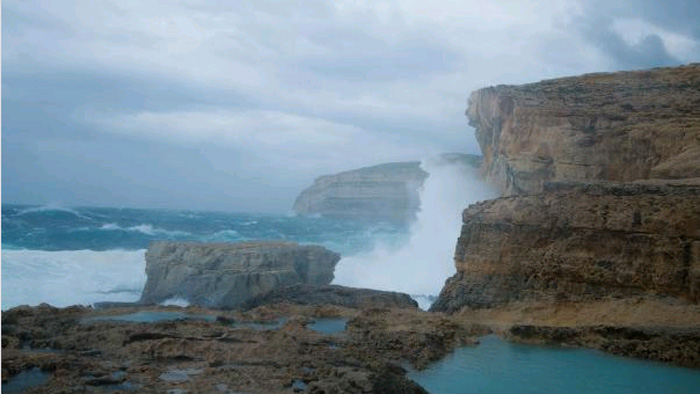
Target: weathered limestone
[564, 231]
[617, 126]
[225, 275]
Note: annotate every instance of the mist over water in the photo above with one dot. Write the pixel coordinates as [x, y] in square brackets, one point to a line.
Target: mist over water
[422, 264]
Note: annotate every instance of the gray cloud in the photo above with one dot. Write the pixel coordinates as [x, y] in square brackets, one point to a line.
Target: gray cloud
[237, 105]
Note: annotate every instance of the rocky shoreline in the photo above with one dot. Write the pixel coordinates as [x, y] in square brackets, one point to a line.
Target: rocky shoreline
[595, 243]
[218, 351]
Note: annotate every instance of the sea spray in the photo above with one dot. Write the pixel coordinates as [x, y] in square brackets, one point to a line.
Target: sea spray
[70, 277]
[421, 265]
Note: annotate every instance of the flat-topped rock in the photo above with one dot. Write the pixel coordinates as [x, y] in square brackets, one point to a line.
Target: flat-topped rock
[224, 275]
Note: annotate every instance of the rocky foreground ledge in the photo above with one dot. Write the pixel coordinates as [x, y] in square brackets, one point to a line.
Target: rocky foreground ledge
[210, 351]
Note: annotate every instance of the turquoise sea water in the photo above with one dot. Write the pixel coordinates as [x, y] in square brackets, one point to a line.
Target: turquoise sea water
[329, 326]
[65, 256]
[498, 367]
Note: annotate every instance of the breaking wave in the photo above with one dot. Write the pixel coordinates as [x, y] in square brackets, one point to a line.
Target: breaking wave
[421, 265]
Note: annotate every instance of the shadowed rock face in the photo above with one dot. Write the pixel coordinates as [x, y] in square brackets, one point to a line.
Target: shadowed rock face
[565, 232]
[388, 191]
[619, 127]
[348, 297]
[226, 275]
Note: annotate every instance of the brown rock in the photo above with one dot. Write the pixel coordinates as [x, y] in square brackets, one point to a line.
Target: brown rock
[621, 126]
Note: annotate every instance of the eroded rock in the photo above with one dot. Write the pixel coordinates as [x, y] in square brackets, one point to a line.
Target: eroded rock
[225, 275]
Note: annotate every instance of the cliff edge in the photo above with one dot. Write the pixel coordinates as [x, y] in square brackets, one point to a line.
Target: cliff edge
[596, 240]
[621, 127]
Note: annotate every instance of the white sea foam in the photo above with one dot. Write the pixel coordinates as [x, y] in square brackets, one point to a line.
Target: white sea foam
[175, 301]
[147, 229]
[65, 278]
[421, 265]
[50, 208]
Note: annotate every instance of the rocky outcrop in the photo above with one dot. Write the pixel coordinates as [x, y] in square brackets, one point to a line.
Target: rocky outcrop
[619, 127]
[577, 242]
[348, 297]
[226, 275]
[388, 191]
[565, 231]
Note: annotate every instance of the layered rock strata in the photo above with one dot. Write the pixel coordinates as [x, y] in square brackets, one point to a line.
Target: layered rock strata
[226, 275]
[618, 126]
[601, 182]
[578, 242]
[388, 191]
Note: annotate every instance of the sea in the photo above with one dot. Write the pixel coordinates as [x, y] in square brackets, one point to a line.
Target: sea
[63, 255]
[81, 255]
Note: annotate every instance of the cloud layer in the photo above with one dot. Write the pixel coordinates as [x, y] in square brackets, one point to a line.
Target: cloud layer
[112, 102]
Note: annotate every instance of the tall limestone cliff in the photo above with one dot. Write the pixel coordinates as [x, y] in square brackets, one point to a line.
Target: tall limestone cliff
[389, 191]
[620, 127]
[601, 182]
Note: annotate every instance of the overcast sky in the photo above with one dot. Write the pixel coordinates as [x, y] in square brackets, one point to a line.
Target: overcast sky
[238, 105]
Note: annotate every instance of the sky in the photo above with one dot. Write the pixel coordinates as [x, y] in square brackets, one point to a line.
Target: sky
[239, 105]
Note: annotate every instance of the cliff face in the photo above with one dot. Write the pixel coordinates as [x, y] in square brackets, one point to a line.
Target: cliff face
[388, 191]
[226, 275]
[564, 232]
[619, 127]
[578, 242]
[385, 191]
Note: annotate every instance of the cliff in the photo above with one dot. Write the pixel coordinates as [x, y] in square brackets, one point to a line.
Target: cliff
[226, 275]
[597, 236]
[388, 191]
[596, 240]
[619, 126]
[578, 242]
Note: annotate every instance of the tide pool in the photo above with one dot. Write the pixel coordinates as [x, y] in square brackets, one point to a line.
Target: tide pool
[496, 366]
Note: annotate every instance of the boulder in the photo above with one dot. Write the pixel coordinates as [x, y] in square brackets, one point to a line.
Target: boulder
[225, 275]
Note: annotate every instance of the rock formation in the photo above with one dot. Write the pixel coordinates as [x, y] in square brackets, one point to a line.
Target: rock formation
[388, 191]
[596, 241]
[601, 182]
[226, 275]
[576, 242]
[618, 126]
[348, 297]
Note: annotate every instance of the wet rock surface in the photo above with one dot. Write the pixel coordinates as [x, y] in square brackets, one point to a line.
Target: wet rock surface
[200, 356]
[348, 297]
[680, 346]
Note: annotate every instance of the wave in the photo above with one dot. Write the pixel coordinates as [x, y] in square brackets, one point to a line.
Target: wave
[421, 265]
[52, 208]
[64, 278]
[147, 229]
